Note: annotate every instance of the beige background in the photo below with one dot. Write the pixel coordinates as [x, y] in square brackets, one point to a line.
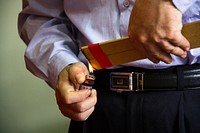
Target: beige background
[27, 104]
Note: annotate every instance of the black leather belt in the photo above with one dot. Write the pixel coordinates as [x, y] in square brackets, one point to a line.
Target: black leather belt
[139, 79]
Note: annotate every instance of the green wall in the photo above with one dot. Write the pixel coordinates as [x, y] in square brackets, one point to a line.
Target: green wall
[27, 104]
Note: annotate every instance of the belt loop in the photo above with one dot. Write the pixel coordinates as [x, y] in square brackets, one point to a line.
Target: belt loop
[180, 78]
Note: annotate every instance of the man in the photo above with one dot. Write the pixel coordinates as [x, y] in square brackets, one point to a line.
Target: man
[54, 31]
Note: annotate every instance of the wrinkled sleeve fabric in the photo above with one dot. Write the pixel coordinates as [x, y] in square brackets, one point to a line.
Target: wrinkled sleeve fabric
[50, 38]
[183, 5]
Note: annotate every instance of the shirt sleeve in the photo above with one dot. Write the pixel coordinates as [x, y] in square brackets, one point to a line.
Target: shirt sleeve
[50, 38]
[183, 5]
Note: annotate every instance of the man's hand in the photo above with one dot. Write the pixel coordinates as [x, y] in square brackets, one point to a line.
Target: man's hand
[74, 103]
[155, 28]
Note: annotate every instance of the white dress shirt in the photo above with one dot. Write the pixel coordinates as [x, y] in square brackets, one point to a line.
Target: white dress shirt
[53, 41]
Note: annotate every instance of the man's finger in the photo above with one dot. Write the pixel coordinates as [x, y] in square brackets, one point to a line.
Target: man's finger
[77, 116]
[69, 96]
[77, 73]
[157, 54]
[180, 41]
[171, 49]
[83, 106]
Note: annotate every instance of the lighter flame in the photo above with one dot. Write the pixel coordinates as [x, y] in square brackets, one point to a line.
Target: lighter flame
[90, 68]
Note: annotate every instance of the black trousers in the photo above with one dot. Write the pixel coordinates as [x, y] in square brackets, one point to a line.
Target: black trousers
[143, 112]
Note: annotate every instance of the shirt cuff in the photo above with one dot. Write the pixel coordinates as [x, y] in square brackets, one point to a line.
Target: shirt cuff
[57, 63]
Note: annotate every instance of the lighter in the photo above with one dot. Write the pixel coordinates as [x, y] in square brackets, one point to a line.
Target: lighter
[89, 79]
[88, 83]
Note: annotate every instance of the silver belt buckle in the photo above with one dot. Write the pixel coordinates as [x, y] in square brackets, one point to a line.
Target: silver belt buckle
[126, 81]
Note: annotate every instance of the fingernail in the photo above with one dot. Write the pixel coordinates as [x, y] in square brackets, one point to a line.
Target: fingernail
[184, 55]
[93, 91]
[88, 92]
[79, 77]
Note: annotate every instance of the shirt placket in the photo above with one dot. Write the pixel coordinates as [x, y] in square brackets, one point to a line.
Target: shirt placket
[125, 7]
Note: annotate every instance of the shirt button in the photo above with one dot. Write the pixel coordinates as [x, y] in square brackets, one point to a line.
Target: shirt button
[126, 3]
